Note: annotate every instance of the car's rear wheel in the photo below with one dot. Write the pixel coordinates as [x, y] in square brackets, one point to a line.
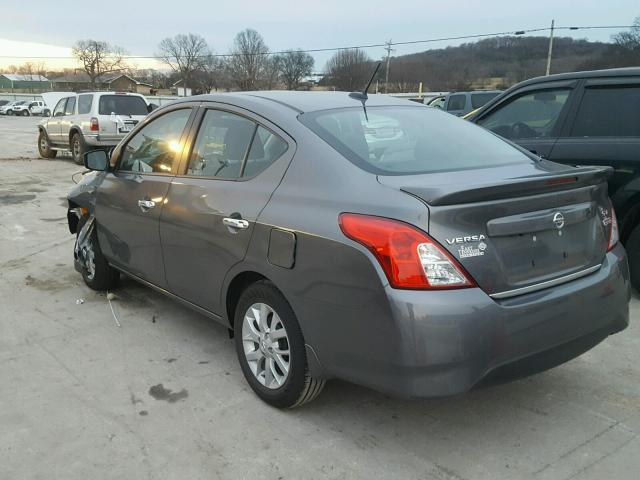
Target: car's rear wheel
[44, 146]
[271, 349]
[632, 245]
[25, 113]
[78, 148]
[96, 272]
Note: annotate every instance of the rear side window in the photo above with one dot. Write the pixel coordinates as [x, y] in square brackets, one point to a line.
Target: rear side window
[456, 102]
[531, 115]
[156, 147]
[84, 103]
[409, 140]
[122, 105]
[221, 146]
[609, 112]
[479, 99]
[266, 148]
[71, 106]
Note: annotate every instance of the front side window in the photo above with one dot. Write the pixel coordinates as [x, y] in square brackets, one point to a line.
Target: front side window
[532, 115]
[59, 110]
[84, 103]
[221, 146]
[456, 102]
[156, 147]
[71, 106]
[609, 112]
[122, 105]
[409, 140]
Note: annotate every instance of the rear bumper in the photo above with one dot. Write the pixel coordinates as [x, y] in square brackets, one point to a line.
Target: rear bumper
[447, 342]
[102, 140]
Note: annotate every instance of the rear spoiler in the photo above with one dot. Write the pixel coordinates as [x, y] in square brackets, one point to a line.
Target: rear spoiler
[521, 187]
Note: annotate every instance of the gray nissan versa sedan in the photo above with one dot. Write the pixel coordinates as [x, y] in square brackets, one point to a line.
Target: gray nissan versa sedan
[423, 268]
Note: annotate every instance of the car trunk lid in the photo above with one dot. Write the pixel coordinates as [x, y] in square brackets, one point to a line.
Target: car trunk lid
[517, 226]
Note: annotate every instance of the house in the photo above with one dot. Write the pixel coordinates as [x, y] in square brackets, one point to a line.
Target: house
[24, 83]
[114, 82]
[179, 90]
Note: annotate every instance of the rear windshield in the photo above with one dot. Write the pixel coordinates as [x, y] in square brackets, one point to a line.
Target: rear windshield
[410, 140]
[479, 99]
[122, 105]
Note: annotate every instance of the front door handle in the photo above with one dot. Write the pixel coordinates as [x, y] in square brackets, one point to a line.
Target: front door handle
[237, 223]
[146, 205]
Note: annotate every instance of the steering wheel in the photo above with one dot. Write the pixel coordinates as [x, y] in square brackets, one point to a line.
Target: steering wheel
[522, 130]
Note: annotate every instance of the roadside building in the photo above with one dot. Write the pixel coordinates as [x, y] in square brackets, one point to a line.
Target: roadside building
[18, 83]
[116, 82]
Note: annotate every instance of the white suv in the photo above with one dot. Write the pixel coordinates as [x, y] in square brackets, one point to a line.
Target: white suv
[91, 120]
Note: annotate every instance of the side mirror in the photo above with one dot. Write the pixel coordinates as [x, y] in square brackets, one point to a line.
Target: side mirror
[97, 160]
[151, 107]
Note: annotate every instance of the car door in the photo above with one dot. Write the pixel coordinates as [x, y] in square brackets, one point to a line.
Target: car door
[233, 168]
[532, 116]
[53, 124]
[67, 119]
[131, 197]
[606, 131]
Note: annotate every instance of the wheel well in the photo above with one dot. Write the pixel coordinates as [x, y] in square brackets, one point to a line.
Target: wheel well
[236, 287]
[72, 132]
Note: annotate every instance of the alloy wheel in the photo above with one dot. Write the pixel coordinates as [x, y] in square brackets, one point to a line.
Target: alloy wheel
[266, 345]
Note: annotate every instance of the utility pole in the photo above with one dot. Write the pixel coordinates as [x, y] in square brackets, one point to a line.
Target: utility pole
[550, 48]
[386, 77]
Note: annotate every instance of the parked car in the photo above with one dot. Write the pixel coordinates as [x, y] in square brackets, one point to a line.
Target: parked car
[3, 102]
[34, 107]
[583, 118]
[422, 272]
[80, 122]
[9, 108]
[436, 102]
[461, 103]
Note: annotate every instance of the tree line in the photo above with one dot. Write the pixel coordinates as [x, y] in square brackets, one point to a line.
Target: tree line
[250, 65]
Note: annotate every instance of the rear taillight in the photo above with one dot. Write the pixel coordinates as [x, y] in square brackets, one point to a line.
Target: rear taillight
[410, 258]
[614, 234]
[94, 126]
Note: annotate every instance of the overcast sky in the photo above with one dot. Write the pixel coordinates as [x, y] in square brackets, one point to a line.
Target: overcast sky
[138, 25]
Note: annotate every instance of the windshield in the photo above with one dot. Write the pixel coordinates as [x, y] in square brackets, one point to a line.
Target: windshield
[122, 105]
[410, 140]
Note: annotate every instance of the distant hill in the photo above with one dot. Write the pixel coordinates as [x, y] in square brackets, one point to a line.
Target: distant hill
[502, 61]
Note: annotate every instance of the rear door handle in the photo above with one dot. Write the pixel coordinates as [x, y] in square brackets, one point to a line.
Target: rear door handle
[146, 205]
[237, 223]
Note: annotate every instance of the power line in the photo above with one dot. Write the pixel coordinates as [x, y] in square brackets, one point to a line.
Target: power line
[366, 46]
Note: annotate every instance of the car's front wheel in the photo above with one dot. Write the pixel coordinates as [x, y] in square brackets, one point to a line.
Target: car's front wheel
[25, 113]
[44, 146]
[77, 148]
[9, 112]
[96, 271]
[271, 349]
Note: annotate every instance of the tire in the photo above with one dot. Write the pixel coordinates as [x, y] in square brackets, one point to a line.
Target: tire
[77, 147]
[9, 112]
[281, 389]
[102, 276]
[25, 113]
[632, 246]
[44, 146]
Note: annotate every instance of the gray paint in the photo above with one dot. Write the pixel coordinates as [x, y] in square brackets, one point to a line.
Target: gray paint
[412, 343]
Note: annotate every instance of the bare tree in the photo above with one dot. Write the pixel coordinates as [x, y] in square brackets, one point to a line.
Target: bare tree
[294, 65]
[210, 74]
[349, 69]
[271, 73]
[248, 60]
[631, 39]
[184, 54]
[98, 58]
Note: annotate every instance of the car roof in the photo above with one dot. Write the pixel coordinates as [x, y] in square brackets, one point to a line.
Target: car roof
[611, 72]
[305, 101]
